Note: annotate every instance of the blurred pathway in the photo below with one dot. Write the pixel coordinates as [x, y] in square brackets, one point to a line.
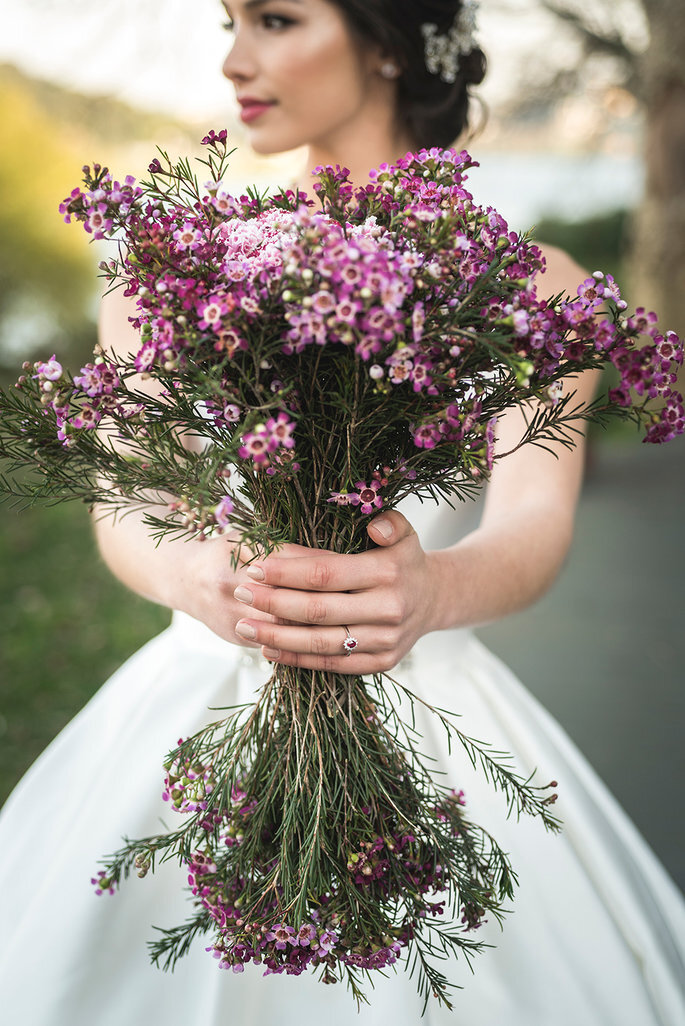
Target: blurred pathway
[605, 650]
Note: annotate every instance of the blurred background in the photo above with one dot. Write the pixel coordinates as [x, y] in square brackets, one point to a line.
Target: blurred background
[584, 138]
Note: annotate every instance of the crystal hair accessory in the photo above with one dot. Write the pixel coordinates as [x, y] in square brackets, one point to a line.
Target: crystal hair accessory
[442, 52]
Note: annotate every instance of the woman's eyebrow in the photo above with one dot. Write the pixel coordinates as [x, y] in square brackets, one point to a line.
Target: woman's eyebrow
[250, 4]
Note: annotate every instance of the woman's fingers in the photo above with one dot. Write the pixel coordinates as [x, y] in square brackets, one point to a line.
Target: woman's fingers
[389, 528]
[302, 607]
[332, 571]
[307, 596]
[316, 641]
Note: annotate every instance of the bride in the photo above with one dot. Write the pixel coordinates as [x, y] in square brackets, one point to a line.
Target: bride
[597, 933]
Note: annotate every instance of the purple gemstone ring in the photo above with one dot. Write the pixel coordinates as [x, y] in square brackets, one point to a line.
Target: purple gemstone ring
[350, 643]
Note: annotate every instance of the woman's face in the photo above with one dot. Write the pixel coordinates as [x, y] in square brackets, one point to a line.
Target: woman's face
[315, 83]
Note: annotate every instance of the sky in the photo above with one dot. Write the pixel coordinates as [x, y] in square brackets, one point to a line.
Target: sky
[151, 54]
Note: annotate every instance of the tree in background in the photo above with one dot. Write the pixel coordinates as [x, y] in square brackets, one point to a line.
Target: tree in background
[659, 244]
[644, 41]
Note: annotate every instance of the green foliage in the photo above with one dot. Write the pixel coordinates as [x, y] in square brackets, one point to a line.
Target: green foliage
[48, 283]
[596, 243]
[65, 625]
[46, 274]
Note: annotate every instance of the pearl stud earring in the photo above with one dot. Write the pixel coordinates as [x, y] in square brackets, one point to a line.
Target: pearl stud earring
[389, 70]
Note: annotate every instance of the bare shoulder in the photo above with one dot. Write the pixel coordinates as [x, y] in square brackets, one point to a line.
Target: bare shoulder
[116, 333]
[562, 272]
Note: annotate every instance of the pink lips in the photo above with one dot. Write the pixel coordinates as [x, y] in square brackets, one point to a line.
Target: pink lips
[252, 109]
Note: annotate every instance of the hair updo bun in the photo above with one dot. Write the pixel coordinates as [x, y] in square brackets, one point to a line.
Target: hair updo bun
[434, 112]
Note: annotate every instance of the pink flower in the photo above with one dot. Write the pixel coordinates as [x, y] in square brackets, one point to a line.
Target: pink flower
[369, 497]
[521, 322]
[229, 413]
[223, 202]
[327, 941]
[612, 291]
[670, 347]
[400, 371]
[97, 379]
[188, 237]
[306, 934]
[102, 883]
[346, 311]
[283, 935]
[257, 445]
[97, 222]
[212, 137]
[605, 334]
[50, 370]
[426, 436]
[344, 498]
[211, 312]
[145, 357]
[223, 511]
[591, 292]
[281, 430]
[323, 303]
[87, 417]
[420, 375]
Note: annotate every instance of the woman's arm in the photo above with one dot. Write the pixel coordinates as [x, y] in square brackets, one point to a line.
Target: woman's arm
[196, 577]
[527, 525]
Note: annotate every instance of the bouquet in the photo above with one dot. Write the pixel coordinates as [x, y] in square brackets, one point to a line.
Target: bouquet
[333, 358]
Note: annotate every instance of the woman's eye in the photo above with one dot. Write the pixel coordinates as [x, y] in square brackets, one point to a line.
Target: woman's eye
[270, 21]
[275, 21]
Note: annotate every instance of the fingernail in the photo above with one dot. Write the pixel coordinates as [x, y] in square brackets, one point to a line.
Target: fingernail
[383, 527]
[245, 630]
[255, 572]
[271, 653]
[244, 595]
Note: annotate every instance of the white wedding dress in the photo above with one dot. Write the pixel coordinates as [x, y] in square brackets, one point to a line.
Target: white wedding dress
[597, 936]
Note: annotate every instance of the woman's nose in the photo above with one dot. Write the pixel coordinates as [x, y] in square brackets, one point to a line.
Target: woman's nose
[238, 65]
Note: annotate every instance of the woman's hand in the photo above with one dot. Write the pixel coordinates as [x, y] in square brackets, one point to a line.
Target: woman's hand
[202, 580]
[296, 605]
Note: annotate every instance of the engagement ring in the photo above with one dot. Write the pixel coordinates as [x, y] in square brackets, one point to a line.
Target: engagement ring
[350, 643]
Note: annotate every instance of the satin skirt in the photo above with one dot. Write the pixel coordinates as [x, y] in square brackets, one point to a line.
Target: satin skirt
[596, 936]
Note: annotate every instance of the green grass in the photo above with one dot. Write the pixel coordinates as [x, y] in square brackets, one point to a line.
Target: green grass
[65, 625]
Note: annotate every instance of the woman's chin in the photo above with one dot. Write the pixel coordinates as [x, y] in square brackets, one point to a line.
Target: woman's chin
[268, 143]
[264, 147]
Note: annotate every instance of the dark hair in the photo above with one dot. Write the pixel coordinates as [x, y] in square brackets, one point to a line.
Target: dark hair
[434, 112]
